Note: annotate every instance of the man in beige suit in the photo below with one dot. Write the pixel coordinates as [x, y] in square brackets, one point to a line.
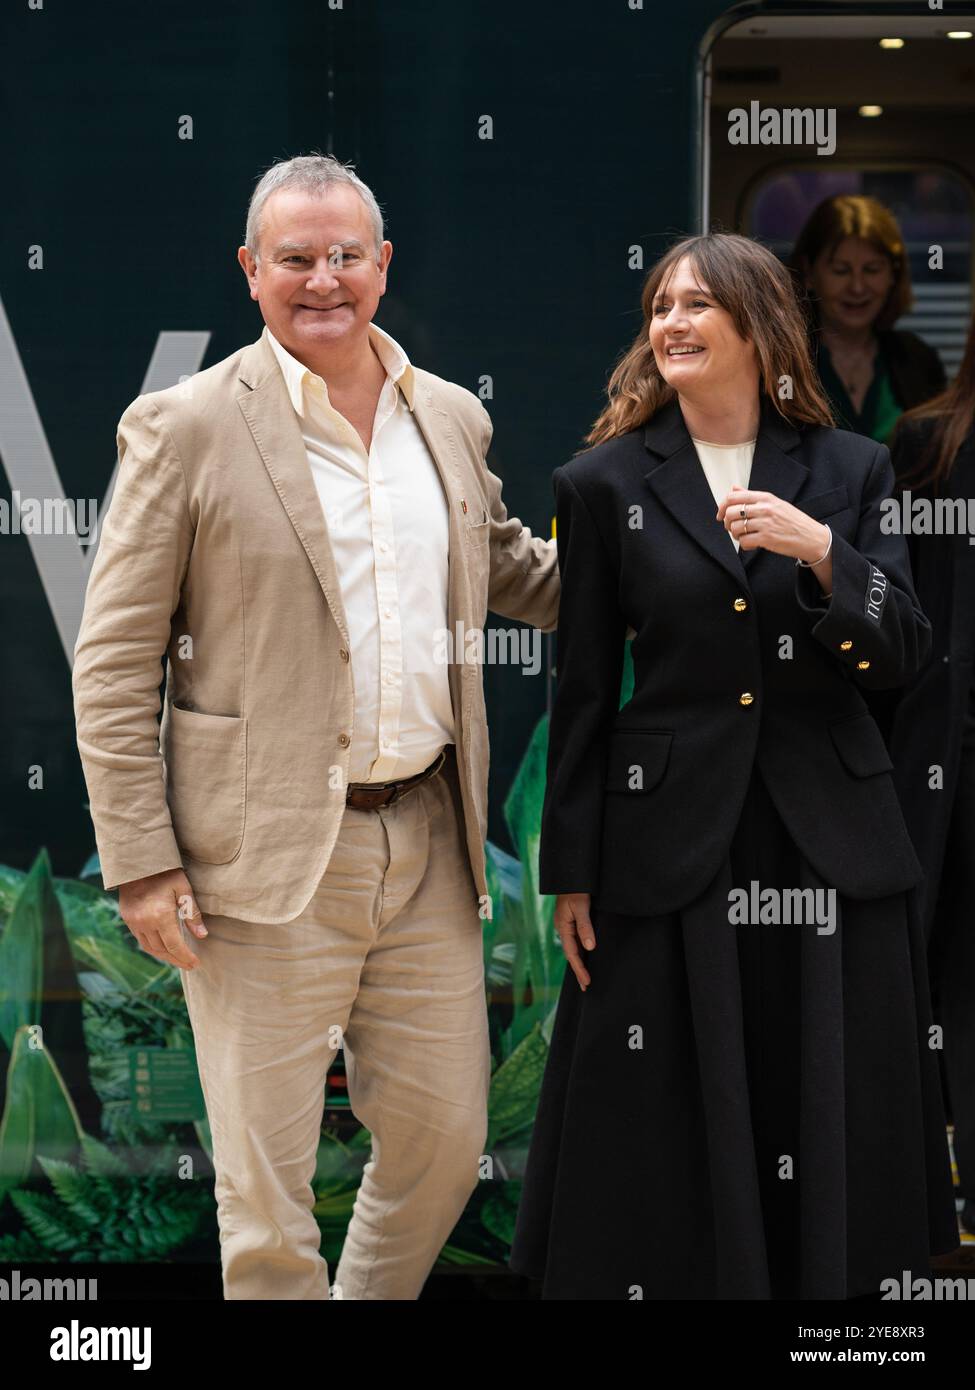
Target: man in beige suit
[297, 528]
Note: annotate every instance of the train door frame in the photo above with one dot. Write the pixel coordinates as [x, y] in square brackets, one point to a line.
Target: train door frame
[752, 9]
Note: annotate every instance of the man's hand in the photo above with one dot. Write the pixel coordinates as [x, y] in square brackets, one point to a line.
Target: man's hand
[150, 909]
[573, 925]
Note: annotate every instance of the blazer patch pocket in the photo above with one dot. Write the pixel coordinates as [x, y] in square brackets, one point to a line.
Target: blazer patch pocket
[861, 746]
[206, 769]
[637, 759]
[826, 503]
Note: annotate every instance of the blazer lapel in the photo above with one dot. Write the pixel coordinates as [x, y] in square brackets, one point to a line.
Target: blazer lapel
[267, 408]
[775, 465]
[678, 480]
[435, 426]
[680, 483]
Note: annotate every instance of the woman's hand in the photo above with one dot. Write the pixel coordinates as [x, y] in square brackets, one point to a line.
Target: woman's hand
[779, 526]
[772, 524]
[574, 926]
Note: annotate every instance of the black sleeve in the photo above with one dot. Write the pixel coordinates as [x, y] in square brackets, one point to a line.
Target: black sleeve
[873, 623]
[591, 633]
[922, 363]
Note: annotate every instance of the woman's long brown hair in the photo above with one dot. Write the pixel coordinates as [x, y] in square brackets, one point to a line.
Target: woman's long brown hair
[756, 289]
[953, 413]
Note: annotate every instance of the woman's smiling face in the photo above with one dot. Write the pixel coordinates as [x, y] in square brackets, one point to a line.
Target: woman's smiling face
[851, 283]
[695, 342]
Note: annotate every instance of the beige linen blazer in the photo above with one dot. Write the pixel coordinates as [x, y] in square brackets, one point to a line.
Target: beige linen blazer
[215, 550]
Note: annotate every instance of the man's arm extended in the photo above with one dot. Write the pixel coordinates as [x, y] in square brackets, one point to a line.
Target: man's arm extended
[524, 581]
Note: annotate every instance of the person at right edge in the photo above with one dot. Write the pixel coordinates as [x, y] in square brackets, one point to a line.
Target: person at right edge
[930, 727]
[740, 1100]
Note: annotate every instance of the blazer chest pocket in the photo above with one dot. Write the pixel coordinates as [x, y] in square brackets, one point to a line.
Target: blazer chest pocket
[826, 503]
[638, 759]
[206, 770]
[479, 532]
[861, 746]
[479, 558]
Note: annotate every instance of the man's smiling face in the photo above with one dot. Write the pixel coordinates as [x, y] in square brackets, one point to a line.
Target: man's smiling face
[317, 280]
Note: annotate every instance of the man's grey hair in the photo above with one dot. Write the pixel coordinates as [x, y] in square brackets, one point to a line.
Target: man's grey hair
[312, 173]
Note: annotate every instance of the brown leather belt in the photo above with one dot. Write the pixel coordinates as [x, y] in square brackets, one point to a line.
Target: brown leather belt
[369, 796]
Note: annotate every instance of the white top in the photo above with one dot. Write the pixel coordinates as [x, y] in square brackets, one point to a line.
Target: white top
[724, 465]
[386, 515]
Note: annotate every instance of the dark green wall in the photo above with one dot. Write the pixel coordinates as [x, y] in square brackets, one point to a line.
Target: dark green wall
[510, 255]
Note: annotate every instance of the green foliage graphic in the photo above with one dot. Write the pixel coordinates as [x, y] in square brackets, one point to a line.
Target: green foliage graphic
[77, 993]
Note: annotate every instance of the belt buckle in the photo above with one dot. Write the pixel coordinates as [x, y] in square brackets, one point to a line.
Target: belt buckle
[424, 777]
[398, 787]
[371, 803]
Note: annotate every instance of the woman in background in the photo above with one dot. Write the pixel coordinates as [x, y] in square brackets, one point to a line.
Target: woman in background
[932, 739]
[851, 257]
[739, 1100]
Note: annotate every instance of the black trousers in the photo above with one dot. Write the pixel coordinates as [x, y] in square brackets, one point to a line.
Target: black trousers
[740, 1111]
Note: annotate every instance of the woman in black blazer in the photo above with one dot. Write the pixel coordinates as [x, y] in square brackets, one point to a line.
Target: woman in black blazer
[739, 1099]
[932, 728]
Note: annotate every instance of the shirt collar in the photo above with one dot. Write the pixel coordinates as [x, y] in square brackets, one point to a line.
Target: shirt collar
[398, 366]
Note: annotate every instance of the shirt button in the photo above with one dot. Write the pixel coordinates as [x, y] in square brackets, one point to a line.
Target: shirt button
[845, 646]
[863, 665]
[746, 698]
[343, 654]
[344, 740]
[740, 605]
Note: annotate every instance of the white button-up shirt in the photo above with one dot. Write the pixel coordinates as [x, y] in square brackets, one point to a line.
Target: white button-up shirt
[386, 515]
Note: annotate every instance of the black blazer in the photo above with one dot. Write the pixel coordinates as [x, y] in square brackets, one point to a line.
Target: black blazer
[925, 722]
[642, 802]
[916, 371]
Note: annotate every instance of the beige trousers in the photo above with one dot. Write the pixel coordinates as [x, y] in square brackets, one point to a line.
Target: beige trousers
[386, 959]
